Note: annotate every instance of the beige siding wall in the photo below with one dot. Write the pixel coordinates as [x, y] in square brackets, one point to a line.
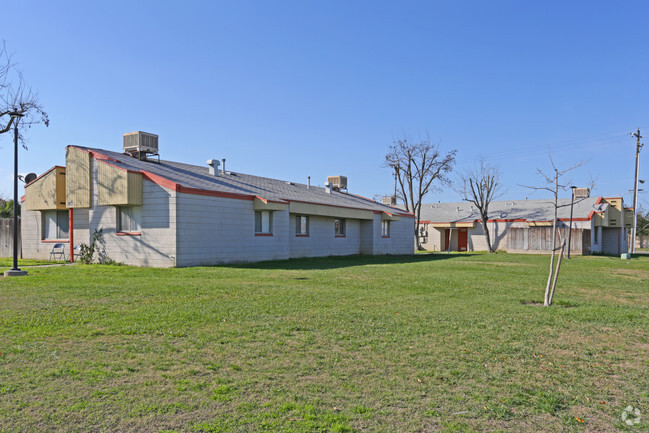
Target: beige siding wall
[117, 187]
[499, 233]
[78, 178]
[48, 192]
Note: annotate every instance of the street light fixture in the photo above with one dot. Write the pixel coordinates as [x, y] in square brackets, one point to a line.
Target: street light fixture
[15, 270]
[572, 201]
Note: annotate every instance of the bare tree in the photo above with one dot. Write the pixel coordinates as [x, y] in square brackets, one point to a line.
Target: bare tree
[481, 186]
[17, 97]
[417, 164]
[553, 185]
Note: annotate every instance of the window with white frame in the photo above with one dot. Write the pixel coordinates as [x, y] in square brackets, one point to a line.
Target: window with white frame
[302, 225]
[385, 229]
[56, 224]
[128, 219]
[339, 227]
[263, 222]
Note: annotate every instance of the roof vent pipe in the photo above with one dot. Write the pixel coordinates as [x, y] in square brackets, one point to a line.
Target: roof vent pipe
[223, 165]
[213, 166]
[308, 181]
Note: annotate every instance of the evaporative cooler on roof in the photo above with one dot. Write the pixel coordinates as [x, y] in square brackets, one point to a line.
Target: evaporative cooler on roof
[138, 144]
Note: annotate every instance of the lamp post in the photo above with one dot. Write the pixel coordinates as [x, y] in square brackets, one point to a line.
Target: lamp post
[572, 201]
[15, 270]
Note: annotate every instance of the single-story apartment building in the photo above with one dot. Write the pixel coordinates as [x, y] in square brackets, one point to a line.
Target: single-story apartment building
[599, 225]
[169, 214]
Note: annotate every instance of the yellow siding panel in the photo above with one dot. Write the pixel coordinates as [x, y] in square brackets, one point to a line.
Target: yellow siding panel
[117, 187]
[134, 188]
[47, 192]
[77, 186]
[60, 188]
[614, 217]
[628, 218]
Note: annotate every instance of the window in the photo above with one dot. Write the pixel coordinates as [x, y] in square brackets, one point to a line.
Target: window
[302, 225]
[128, 219]
[385, 229]
[263, 222]
[595, 233]
[56, 224]
[339, 227]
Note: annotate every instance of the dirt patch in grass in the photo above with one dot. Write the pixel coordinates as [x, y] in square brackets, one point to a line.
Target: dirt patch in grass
[635, 274]
[504, 264]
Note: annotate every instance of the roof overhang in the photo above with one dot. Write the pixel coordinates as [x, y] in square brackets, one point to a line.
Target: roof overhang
[385, 216]
[463, 224]
[329, 211]
[261, 203]
[539, 223]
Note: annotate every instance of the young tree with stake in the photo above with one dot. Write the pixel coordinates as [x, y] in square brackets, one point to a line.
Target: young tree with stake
[553, 185]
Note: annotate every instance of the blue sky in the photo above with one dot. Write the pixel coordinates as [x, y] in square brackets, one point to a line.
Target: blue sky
[291, 89]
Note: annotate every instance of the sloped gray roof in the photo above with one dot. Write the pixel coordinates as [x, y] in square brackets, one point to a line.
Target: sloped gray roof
[528, 210]
[198, 177]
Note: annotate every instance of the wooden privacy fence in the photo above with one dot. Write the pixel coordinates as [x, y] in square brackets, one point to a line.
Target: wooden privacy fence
[642, 242]
[540, 239]
[7, 238]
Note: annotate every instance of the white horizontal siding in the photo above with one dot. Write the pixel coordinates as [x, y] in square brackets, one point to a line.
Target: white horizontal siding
[31, 231]
[322, 240]
[213, 230]
[156, 245]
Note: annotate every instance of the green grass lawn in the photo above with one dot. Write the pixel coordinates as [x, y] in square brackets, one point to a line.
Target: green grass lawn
[426, 343]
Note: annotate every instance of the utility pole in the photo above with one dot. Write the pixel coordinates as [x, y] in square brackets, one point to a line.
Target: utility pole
[638, 146]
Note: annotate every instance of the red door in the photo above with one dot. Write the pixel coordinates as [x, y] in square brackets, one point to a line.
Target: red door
[461, 239]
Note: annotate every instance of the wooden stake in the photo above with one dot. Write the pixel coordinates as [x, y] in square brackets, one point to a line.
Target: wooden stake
[556, 274]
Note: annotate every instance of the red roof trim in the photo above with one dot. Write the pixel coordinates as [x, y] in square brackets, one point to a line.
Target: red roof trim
[207, 192]
[159, 180]
[517, 220]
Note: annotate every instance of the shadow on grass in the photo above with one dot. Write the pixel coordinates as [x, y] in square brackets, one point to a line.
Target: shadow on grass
[333, 262]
